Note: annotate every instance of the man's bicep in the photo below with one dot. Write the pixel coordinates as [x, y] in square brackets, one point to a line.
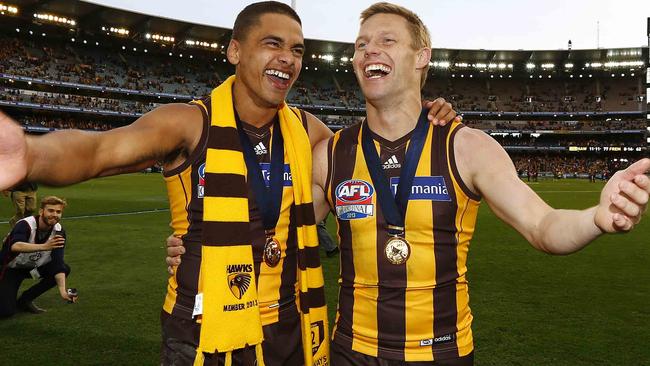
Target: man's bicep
[152, 137]
[512, 200]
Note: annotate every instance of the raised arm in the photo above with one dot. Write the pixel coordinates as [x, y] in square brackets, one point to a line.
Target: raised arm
[488, 170]
[70, 156]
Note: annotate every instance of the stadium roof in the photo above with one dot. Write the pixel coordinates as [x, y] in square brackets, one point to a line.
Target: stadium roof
[89, 17]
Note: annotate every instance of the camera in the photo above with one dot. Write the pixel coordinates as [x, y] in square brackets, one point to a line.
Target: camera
[59, 233]
[73, 293]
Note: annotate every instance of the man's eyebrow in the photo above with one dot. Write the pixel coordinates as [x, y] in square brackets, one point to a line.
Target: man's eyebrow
[273, 38]
[281, 40]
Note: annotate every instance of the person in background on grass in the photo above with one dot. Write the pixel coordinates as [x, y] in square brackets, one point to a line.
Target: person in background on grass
[23, 196]
[34, 248]
[325, 240]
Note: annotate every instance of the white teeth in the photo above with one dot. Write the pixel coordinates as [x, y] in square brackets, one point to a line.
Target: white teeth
[378, 67]
[280, 74]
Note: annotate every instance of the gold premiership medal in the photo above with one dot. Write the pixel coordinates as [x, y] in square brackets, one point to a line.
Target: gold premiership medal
[397, 250]
[272, 252]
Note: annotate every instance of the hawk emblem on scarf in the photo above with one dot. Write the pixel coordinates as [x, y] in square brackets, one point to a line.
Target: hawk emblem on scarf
[239, 283]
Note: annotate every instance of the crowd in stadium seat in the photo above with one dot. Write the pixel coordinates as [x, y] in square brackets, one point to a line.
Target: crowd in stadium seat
[92, 65]
[61, 123]
[539, 95]
[57, 99]
[613, 124]
[549, 140]
[561, 166]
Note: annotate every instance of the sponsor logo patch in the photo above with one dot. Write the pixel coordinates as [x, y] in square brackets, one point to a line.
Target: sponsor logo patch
[260, 149]
[266, 174]
[354, 199]
[425, 188]
[392, 163]
[447, 338]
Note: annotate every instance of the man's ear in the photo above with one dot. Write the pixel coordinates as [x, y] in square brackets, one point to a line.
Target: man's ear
[233, 52]
[424, 56]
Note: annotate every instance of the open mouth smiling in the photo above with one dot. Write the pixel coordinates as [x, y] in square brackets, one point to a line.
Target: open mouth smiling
[376, 71]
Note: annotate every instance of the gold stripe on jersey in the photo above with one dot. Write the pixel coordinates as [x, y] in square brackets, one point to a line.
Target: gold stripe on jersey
[388, 305]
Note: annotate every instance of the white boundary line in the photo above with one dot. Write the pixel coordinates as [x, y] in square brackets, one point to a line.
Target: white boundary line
[109, 214]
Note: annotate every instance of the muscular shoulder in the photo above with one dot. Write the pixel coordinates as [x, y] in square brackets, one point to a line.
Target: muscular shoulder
[477, 154]
[178, 125]
[317, 130]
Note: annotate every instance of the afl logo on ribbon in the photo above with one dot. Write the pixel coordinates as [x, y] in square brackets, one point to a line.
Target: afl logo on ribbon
[239, 283]
[354, 199]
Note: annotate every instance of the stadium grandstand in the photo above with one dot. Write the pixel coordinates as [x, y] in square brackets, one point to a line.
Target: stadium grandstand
[558, 113]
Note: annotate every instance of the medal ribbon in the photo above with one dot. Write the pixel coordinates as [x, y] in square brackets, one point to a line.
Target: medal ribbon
[394, 208]
[268, 199]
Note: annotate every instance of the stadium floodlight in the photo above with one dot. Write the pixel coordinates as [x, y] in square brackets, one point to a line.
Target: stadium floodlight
[440, 64]
[313, 56]
[480, 65]
[502, 66]
[548, 66]
[530, 66]
[116, 31]
[624, 63]
[8, 9]
[203, 44]
[461, 64]
[594, 65]
[55, 19]
[345, 59]
[492, 66]
[328, 58]
[568, 65]
[160, 38]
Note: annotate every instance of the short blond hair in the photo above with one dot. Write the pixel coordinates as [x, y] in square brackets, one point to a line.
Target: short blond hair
[53, 200]
[420, 36]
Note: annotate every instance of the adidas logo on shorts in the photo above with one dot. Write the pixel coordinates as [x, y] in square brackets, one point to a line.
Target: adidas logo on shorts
[392, 163]
[260, 149]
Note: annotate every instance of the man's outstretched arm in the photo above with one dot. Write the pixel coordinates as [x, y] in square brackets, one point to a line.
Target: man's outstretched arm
[71, 156]
[489, 171]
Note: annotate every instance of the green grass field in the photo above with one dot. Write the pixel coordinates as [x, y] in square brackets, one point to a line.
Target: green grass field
[591, 308]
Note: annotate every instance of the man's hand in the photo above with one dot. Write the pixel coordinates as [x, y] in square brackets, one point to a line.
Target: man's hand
[13, 152]
[440, 112]
[54, 243]
[624, 198]
[175, 249]
[66, 297]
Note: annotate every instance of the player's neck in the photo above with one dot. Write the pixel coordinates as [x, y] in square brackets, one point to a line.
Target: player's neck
[393, 120]
[250, 110]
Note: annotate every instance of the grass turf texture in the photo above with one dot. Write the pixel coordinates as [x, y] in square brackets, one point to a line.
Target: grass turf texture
[530, 309]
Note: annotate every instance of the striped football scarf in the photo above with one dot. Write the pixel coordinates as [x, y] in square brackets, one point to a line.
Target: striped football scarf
[230, 317]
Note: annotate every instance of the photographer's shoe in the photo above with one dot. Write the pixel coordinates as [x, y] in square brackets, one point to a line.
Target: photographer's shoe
[30, 307]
